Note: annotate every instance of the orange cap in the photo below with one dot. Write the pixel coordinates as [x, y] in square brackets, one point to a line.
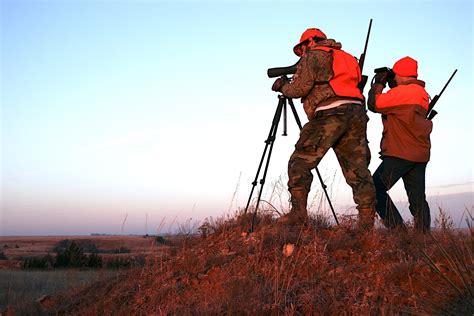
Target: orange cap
[406, 67]
[309, 33]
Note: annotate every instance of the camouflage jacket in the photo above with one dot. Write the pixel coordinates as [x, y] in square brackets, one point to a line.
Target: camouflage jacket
[314, 67]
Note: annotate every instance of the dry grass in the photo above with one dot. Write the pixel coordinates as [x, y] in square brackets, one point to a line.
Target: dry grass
[331, 270]
[20, 288]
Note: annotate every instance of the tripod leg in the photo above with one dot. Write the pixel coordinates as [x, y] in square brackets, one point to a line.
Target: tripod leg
[269, 141]
[324, 186]
[281, 104]
[293, 109]
[295, 114]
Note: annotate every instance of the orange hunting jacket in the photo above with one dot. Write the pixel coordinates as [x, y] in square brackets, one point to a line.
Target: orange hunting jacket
[406, 131]
[346, 73]
[323, 75]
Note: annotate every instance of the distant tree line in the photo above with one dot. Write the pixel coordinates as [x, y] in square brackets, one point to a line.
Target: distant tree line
[68, 254]
[87, 246]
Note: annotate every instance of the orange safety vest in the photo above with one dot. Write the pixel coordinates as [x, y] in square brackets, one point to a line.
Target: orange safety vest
[346, 71]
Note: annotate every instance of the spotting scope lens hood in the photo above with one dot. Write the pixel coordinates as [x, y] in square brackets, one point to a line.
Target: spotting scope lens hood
[281, 71]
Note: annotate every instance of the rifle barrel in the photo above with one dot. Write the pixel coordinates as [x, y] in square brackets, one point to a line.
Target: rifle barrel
[368, 35]
[447, 83]
[431, 113]
[362, 57]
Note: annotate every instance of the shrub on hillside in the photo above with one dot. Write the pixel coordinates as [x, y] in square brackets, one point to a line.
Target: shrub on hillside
[71, 257]
[43, 263]
[86, 245]
[161, 240]
[122, 250]
[94, 261]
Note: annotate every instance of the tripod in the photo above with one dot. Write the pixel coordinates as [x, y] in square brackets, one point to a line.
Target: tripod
[281, 108]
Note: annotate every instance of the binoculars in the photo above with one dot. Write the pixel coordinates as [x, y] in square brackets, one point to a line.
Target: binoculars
[390, 73]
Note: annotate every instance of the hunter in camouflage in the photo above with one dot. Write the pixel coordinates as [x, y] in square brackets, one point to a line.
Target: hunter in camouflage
[326, 80]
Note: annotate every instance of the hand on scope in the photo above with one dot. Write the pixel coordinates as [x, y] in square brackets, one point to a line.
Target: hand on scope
[380, 78]
[279, 83]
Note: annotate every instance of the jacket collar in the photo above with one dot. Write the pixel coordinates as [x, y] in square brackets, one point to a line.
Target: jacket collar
[330, 43]
[413, 81]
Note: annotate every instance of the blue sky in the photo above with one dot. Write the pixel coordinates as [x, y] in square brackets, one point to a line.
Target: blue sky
[111, 108]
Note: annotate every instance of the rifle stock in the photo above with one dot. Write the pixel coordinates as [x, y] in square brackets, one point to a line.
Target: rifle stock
[431, 113]
[362, 83]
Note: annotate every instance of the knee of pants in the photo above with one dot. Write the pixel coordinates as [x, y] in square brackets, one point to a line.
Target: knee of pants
[301, 163]
[299, 175]
[300, 183]
[417, 199]
[378, 182]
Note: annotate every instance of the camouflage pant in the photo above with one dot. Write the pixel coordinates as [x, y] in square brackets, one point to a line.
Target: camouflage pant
[343, 129]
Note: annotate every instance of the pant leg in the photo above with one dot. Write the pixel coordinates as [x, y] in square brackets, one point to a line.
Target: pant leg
[387, 174]
[316, 137]
[353, 153]
[414, 182]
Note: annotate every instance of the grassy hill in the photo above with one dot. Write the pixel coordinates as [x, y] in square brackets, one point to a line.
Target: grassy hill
[315, 269]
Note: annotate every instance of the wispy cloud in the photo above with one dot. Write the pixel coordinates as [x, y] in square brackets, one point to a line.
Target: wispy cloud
[453, 185]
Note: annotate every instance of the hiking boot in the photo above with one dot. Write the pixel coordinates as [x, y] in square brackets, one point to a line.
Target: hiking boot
[366, 218]
[298, 214]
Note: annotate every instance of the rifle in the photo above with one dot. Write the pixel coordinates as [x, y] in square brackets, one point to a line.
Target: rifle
[432, 113]
[364, 79]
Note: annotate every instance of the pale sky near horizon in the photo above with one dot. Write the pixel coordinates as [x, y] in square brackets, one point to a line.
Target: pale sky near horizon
[114, 108]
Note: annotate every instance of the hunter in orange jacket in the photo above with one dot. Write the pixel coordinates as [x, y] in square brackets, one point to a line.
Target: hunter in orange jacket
[405, 145]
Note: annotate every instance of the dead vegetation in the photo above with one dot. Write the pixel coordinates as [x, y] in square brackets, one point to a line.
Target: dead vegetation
[293, 271]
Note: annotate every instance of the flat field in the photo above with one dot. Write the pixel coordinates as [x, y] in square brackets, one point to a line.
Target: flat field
[16, 249]
[20, 287]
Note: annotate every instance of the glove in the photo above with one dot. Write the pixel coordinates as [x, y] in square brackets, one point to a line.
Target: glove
[380, 78]
[392, 83]
[278, 84]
